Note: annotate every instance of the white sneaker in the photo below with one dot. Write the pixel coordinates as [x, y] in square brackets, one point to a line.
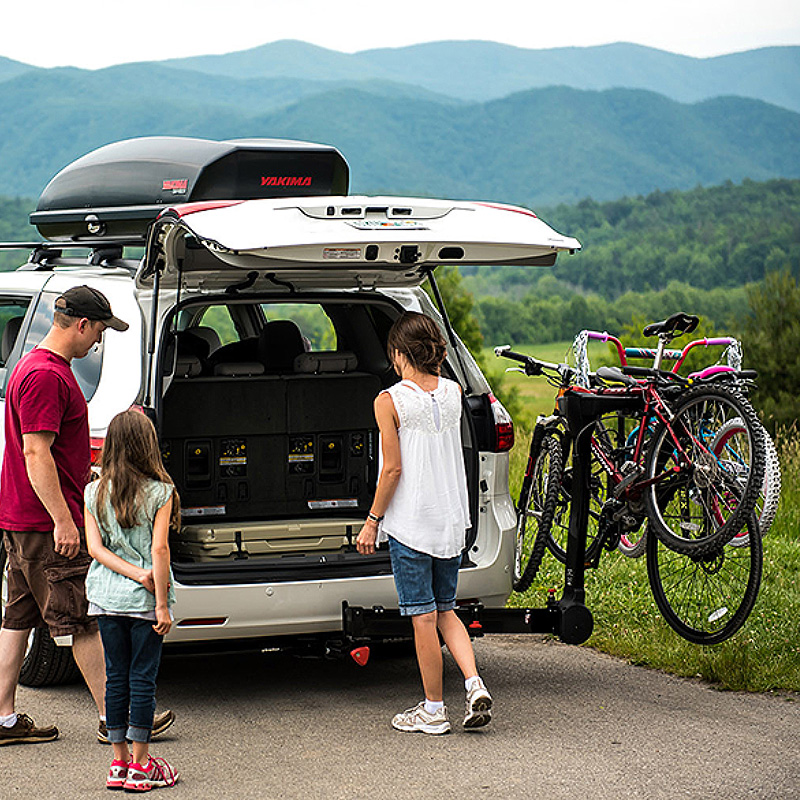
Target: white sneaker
[418, 719]
[479, 706]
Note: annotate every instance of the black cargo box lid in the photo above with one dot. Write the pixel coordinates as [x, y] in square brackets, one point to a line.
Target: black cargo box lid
[117, 190]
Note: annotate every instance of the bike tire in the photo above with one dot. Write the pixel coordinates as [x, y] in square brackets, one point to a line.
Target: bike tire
[696, 508]
[535, 511]
[706, 598]
[558, 533]
[770, 496]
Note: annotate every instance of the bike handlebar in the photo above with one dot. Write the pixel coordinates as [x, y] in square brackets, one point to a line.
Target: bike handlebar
[533, 366]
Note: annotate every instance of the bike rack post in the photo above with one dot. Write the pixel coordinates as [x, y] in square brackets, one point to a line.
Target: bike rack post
[576, 621]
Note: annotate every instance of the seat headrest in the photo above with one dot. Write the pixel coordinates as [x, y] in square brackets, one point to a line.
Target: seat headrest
[187, 366]
[326, 361]
[207, 335]
[239, 369]
[190, 344]
[280, 342]
[9, 338]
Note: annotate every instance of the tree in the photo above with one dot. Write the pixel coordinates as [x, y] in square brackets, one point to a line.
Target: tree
[772, 345]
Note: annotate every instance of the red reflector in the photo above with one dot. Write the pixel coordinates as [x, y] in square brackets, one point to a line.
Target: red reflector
[187, 623]
[475, 625]
[360, 655]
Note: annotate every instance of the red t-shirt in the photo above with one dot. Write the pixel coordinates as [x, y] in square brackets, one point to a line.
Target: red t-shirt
[43, 395]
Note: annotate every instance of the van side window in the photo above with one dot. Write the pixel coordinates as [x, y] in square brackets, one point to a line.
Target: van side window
[218, 319]
[86, 370]
[311, 318]
[12, 314]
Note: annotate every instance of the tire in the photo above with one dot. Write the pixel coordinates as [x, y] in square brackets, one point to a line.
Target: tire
[698, 507]
[45, 664]
[706, 598]
[633, 543]
[769, 499]
[536, 510]
[558, 534]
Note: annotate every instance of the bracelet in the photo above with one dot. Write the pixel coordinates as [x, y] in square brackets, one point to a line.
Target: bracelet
[374, 517]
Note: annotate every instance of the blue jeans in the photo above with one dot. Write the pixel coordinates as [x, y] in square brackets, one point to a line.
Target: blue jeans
[424, 583]
[133, 653]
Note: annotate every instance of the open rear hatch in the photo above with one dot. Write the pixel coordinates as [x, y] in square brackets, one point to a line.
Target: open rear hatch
[361, 242]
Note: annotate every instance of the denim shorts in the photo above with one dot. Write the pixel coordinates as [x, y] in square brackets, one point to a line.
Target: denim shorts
[424, 583]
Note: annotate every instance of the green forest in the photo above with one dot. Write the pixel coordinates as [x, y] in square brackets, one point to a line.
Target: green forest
[700, 251]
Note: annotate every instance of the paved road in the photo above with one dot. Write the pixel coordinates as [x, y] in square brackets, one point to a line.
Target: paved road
[569, 724]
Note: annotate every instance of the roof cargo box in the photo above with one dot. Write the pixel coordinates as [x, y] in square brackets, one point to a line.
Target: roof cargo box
[116, 191]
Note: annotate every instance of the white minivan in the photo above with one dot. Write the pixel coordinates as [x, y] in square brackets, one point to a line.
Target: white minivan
[259, 301]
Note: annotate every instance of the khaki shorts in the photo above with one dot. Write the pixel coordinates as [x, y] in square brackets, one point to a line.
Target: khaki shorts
[45, 588]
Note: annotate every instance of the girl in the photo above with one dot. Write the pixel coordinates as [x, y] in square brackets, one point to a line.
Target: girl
[128, 514]
[421, 503]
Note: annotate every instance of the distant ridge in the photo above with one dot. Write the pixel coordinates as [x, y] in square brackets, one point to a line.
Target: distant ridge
[478, 70]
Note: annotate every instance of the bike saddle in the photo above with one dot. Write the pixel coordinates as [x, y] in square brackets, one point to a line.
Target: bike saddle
[675, 325]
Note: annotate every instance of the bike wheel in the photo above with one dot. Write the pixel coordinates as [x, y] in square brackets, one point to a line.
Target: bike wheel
[696, 501]
[770, 496]
[536, 510]
[706, 598]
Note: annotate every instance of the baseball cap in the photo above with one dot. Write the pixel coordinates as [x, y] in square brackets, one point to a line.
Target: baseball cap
[87, 303]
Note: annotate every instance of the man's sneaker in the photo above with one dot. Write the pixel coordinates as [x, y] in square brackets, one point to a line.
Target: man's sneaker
[161, 722]
[117, 774]
[418, 719]
[23, 730]
[156, 773]
[479, 706]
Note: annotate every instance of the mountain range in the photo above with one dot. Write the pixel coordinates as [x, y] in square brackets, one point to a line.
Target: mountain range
[464, 119]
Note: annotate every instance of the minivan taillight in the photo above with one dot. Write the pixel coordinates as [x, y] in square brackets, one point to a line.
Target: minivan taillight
[96, 449]
[503, 426]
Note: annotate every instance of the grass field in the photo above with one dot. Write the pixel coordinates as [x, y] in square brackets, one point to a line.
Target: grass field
[763, 656]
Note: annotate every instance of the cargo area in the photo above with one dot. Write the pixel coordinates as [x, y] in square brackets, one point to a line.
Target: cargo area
[272, 443]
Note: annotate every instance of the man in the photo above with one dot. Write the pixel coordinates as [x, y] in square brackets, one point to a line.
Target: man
[46, 466]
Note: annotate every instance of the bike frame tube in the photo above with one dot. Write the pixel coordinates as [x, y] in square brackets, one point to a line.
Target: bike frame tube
[718, 341]
[607, 337]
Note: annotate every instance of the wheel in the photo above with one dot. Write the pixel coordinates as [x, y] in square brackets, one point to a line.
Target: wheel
[696, 501]
[558, 534]
[706, 598]
[536, 511]
[45, 664]
[767, 504]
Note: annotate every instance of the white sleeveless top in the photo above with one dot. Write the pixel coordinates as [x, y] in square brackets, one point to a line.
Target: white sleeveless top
[429, 511]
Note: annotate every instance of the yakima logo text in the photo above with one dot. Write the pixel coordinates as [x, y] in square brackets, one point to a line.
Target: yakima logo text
[284, 180]
[176, 186]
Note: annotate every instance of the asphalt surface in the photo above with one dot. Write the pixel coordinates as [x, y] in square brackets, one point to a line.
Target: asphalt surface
[569, 723]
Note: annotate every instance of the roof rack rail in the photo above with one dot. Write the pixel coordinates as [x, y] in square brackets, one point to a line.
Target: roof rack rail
[105, 253]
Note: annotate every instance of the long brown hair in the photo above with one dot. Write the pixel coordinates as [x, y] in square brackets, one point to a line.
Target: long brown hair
[130, 457]
[419, 339]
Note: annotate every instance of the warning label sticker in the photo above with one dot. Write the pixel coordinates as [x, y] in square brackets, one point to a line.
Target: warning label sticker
[341, 253]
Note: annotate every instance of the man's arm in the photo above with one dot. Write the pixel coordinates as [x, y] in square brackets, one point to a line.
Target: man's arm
[43, 476]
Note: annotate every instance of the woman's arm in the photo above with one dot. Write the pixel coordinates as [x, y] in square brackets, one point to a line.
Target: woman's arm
[99, 552]
[160, 553]
[386, 417]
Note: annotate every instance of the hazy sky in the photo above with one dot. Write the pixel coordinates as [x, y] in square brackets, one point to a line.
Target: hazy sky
[102, 32]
